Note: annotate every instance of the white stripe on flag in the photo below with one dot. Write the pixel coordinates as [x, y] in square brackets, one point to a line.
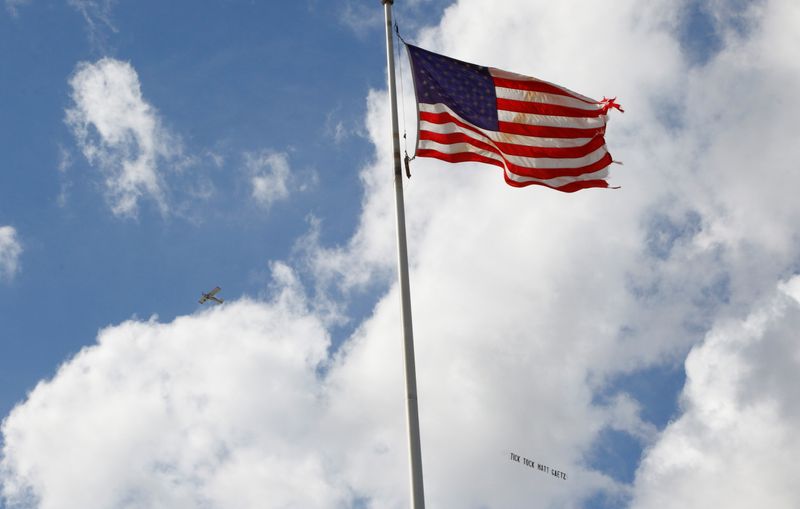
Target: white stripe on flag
[551, 120]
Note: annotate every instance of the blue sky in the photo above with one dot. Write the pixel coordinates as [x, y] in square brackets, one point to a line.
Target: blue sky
[154, 150]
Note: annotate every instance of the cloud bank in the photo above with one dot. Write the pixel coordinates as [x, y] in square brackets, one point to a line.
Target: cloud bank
[528, 305]
[164, 428]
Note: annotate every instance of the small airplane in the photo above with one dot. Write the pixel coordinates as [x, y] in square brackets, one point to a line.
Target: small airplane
[211, 296]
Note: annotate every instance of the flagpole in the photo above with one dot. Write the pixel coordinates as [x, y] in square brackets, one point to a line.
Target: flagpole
[412, 412]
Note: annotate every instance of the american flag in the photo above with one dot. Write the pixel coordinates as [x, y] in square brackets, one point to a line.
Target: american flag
[538, 132]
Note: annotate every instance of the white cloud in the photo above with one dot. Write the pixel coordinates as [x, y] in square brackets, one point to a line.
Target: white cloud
[121, 134]
[736, 443]
[269, 176]
[360, 18]
[272, 179]
[64, 163]
[94, 11]
[97, 14]
[10, 251]
[336, 127]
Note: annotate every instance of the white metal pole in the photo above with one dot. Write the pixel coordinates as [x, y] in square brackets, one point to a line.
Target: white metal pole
[412, 412]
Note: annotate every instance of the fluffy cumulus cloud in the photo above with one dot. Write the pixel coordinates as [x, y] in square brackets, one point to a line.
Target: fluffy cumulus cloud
[10, 251]
[528, 305]
[206, 411]
[120, 133]
[736, 443]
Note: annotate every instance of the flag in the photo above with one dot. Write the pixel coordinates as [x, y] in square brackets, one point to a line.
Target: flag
[538, 132]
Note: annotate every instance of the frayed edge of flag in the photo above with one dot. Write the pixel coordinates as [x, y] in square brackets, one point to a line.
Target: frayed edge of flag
[610, 103]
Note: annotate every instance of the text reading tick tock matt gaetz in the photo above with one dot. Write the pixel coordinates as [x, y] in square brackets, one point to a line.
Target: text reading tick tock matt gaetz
[538, 466]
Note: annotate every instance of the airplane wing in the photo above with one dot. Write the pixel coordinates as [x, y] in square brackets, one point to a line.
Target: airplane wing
[214, 291]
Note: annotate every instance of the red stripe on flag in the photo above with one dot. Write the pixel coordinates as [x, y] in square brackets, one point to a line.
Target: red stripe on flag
[549, 173]
[460, 157]
[546, 109]
[549, 132]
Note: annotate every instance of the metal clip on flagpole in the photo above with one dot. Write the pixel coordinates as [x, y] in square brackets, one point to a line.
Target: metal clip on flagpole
[412, 412]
